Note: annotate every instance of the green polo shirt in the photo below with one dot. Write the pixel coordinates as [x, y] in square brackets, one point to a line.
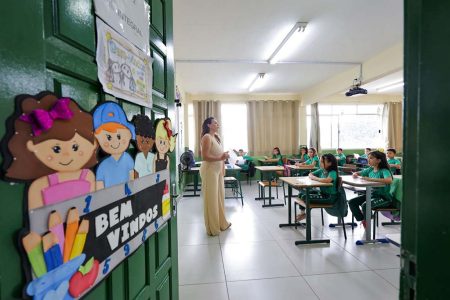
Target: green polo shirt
[321, 173]
[305, 157]
[280, 159]
[310, 161]
[383, 173]
[394, 161]
[342, 159]
[363, 156]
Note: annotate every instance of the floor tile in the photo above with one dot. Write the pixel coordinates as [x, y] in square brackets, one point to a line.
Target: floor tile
[352, 286]
[321, 259]
[289, 288]
[194, 234]
[200, 264]
[391, 275]
[216, 291]
[256, 261]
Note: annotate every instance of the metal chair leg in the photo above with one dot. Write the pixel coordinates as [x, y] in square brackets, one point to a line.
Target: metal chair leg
[343, 227]
[321, 212]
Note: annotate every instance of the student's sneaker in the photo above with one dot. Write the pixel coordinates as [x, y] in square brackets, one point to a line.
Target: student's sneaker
[300, 216]
[364, 223]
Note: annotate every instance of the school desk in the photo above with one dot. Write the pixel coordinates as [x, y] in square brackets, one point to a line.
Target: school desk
[269, 161]
[307, 184]
[296, 169]
[368, 185]
[195, 171]
[269, 170]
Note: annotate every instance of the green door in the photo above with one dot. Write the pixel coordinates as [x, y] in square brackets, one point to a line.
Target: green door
[50, 45]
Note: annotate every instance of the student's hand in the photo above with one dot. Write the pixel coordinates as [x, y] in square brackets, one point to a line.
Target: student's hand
[311, 176]
[355, 175]
[367, 178]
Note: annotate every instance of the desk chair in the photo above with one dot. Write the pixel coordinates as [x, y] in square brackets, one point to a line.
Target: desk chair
[302, 203]
[376, 217]
[235, 186]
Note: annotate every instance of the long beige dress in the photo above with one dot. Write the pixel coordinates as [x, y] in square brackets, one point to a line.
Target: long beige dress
[213, 191]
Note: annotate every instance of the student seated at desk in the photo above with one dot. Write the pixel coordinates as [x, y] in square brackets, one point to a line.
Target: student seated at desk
[241, 161]
[366, 153]
[313, 159]
[341, 158]
[304, 154]
[328, 173]
[378, 172]
[276, 154]
[394, 163]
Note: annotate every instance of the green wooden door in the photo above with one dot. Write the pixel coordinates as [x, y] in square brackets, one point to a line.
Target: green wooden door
[50, 45]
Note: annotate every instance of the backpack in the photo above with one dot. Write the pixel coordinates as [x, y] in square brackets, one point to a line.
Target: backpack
[340, 207]
[251, 169]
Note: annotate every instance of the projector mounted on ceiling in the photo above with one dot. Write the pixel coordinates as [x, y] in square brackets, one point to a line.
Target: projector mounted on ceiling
[356, 88]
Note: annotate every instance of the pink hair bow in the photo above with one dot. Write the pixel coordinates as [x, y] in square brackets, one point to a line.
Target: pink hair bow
[42, 120]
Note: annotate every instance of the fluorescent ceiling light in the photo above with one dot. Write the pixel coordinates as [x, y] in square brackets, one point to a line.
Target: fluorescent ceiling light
[257, 82]
[390, 86]
[298, 28]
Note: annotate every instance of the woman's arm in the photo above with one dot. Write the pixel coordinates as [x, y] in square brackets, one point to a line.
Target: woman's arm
[324, 180]
[206, 150]
[387, 180]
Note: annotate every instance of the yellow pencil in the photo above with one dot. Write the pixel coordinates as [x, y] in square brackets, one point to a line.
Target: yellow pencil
[80, 239]
[71, 231]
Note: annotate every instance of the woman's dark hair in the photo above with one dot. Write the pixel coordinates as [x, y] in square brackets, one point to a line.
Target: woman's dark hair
[313, 150]
[340, 149]
[205, 128]
[144, 126]
[392, 150]
[383, 161]
[369, 149]
[304, 148]
[278, 150]
[332, 159]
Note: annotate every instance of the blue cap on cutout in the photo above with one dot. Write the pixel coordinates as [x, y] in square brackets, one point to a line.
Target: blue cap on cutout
[111, 112]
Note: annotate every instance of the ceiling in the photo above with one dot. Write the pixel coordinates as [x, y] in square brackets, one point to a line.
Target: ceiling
[388, 81]
[233, 30]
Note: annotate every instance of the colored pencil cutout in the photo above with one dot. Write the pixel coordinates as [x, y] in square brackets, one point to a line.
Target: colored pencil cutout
[32, 243]
[80, 239]
[52, 252]
[56, 226]
[71, 231]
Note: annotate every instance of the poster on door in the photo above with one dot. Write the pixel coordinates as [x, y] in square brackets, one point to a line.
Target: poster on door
[124, 70]
[131, 18]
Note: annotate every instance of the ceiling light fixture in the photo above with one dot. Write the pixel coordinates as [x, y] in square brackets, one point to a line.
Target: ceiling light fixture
[257, 81]
[390, 86]
[299, 27]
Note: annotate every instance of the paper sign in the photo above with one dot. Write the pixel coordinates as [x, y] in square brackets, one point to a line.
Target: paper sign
[123, 70]
[131, 18]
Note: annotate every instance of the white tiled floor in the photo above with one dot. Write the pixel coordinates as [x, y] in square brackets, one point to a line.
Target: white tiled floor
[255, 259]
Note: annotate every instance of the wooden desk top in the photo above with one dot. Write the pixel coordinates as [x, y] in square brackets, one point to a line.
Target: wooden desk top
[398, 176]
[302, 167]
[269, 160]
[359, 182]
[303, 182]
[269, 168]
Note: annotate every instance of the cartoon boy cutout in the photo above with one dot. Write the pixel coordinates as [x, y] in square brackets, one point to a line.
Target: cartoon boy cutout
[113, 133]
[145, 139]
[52, 143]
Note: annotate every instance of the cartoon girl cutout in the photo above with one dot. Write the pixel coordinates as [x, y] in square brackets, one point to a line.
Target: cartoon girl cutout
[165, 142]
[145, 140]
[52, 144]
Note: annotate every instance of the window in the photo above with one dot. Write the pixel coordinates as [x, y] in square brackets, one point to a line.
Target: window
[348, 126]
[234, 126]
[191, 128]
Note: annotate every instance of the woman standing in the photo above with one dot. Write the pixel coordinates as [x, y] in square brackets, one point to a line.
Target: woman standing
[212, 172]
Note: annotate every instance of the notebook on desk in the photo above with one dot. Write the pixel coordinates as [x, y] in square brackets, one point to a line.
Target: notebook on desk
[356, 155]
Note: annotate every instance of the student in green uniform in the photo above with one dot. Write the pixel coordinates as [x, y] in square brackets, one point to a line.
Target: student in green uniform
[378, 172]
[366, 153]
[394, 163]
[276, 153]
[313, 159]
[304, 153]
[341, 158]
[327, 173]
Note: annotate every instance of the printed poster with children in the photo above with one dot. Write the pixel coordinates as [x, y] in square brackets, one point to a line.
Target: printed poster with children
[124, 70]
[84, 215]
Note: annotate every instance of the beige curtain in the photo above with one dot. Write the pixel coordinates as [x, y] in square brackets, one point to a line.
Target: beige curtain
[395, 126]
[203, 110]
[272, 124]
[314, 136]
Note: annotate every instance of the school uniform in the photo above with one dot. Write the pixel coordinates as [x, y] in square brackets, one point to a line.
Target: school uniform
[311, 160]
[394, 161]
[304, 157]
[327, 194]
[363, 156]
[342, 159]
[380, 195]
[280, 159]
